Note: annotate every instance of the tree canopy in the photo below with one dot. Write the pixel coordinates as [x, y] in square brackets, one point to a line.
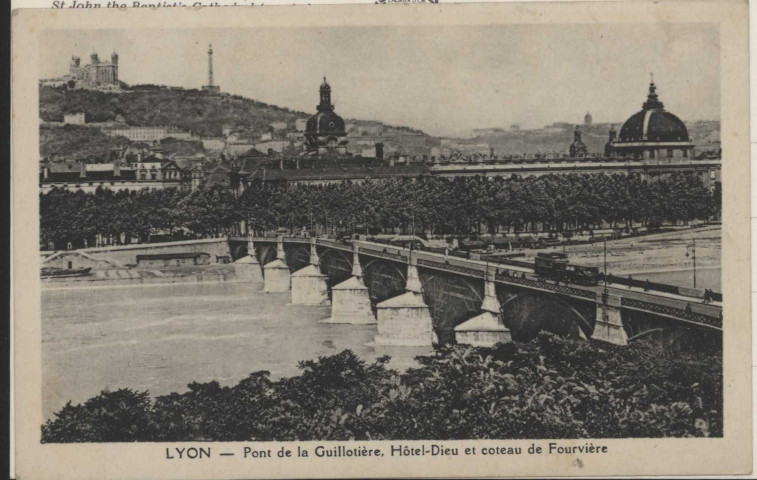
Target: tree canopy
[463, 205]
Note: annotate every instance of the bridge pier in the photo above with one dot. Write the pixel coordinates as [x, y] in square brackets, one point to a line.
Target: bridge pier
[248, 267]
[309, 285]
[276, 273]
[609, 323]
[350, 301]
[405, 320]
[487, 328]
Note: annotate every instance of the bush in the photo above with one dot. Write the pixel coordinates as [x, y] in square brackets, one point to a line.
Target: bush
[550, 387]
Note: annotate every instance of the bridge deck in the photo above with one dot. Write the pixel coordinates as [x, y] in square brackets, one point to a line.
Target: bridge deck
[659, 303]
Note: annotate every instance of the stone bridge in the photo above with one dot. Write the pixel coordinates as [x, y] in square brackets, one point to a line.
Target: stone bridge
[418, 297]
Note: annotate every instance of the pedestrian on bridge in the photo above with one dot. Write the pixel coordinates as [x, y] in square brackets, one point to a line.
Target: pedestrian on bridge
[707, 296]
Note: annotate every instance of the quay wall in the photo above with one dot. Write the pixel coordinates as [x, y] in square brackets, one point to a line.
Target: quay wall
[127, 254]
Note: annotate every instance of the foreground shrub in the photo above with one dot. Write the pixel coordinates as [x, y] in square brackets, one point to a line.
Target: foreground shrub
[547, 388]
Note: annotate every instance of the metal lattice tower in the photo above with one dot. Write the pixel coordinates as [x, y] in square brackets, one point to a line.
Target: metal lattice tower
[210, 64]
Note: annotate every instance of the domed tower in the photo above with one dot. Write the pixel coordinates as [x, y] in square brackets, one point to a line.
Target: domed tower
[587, 119]
[578, 147]
[114, 58]
[653, 133]
[325, 131]
[74, 67]
[612, 136]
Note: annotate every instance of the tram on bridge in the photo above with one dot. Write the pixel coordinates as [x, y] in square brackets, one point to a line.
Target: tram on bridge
[555, 266]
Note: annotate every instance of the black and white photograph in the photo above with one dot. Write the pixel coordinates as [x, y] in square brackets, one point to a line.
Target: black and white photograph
[382, 233]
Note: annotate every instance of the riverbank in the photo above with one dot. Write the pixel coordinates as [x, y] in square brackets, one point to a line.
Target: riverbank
[132, 276]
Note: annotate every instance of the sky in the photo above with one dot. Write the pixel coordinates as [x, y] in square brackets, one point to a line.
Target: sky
[445, 81]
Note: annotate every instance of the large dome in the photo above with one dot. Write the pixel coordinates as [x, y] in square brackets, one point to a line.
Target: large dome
[325, 124]
[653, 126]
[653, 123]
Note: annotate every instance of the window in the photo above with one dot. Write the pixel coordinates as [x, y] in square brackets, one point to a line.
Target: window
[670, 153]
[712, 174]
[685, 153]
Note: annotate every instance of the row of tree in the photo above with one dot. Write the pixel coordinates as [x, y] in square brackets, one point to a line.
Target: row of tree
[461, 205]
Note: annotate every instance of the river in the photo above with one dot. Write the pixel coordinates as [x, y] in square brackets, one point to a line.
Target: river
[707, 277]
[162, 337]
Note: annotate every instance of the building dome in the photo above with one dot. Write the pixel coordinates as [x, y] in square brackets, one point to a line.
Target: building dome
[325, 127]
[653, 123]
[325, 124]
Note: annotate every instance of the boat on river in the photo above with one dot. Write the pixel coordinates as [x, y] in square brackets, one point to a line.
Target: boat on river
[55, 272]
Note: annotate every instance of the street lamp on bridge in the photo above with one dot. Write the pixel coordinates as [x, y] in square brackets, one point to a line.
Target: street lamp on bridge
[604, 243]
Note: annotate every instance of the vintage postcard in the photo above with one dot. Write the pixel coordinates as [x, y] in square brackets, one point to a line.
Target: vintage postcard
[382, 240]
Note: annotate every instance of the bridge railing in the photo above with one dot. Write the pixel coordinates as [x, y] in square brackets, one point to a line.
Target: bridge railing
[504, 277]
[646, 285]
[672, 311]
[296, 240]
[331, 243]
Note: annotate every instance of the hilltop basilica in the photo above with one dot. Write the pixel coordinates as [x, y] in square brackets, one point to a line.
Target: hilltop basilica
[97, 75]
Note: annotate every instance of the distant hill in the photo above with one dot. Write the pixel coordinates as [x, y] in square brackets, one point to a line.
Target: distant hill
[156, 105]
[77, 141]
[190, 110]
[551, 140]
[73, 141]
[206, 115]
[558, 139]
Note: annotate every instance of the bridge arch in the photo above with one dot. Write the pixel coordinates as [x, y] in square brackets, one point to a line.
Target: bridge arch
[336, 264]
[267, 254]
[331, 252]
[384, 279]
[452, 299]
[298, 256]
[238, 250]
[526, 313]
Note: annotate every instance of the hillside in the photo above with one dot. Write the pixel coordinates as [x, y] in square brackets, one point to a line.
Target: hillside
[542, 141]
[206, 115]
[703, 134]
[72, 141]
[76, 141]
[190, 110]
[156, 105]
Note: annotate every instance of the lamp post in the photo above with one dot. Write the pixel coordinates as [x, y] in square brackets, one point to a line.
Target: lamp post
[604, 243]
[694, 258]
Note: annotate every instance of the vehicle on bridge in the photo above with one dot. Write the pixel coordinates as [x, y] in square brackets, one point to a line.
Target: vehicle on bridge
[555, 266]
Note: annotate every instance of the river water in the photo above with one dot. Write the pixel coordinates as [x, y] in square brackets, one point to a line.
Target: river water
[161, 337]
[707, 277]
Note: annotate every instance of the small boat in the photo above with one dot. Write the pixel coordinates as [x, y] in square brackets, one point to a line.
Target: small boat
[55, 272]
